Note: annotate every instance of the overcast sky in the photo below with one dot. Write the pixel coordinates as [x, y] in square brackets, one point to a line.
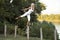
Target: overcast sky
[52, 6]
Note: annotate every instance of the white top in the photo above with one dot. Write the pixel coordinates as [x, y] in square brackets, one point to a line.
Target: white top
[29, 11]
[27, 14]
[11, 1]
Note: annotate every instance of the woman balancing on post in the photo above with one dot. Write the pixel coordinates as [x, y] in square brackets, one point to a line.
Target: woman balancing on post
[30, 10]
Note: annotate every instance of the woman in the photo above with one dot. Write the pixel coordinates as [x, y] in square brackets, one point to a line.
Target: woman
[11, 1]
[30, 10]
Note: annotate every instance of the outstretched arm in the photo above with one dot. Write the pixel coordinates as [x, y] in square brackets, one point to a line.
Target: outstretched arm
[26, 9]
[24, 13]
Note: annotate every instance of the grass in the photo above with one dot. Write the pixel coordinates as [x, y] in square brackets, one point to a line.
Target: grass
[11, 37]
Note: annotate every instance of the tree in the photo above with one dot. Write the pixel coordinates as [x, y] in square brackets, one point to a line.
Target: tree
[48, 30]
[8, 12]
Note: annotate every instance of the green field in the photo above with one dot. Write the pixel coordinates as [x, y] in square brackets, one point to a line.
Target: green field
[11, 37]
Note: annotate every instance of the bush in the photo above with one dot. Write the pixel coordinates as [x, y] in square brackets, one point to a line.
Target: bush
[48, 30]
[21, 31]
[35, 29]
[1, 28]
[10, 28]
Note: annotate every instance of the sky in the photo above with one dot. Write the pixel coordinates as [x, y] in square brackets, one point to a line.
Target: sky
[52, 6]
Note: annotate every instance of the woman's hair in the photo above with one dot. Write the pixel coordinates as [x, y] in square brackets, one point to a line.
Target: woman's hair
[27, 6]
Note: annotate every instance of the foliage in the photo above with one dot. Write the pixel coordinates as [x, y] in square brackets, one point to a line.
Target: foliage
[10, 11]
[54, 17]
[48, 30]
[35, 29]
[10, 28]
[1, 27]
